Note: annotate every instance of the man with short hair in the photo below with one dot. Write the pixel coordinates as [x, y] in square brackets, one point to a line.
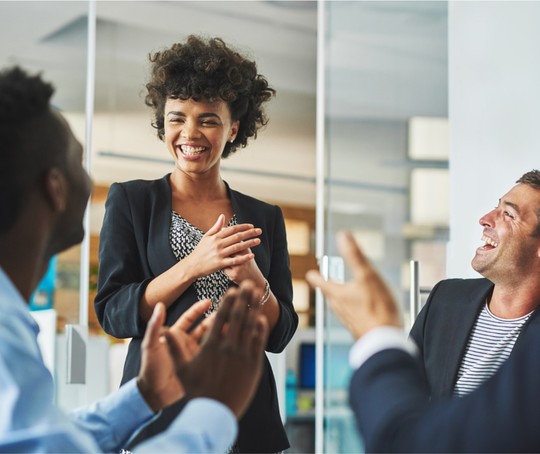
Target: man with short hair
[44, 190]
[389, 393]
[469, 327]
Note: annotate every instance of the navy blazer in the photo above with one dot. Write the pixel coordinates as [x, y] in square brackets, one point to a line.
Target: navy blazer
[134, 248]
[390, 399]
[443, 327]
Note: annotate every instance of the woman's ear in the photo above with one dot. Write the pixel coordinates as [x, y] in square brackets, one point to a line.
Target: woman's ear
[234, 130]
[56, 189]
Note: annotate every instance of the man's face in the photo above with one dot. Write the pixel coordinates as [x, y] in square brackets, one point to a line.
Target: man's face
[511, 251]
[69, 229]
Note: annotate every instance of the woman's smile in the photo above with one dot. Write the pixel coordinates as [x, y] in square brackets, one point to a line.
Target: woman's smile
[189, 150]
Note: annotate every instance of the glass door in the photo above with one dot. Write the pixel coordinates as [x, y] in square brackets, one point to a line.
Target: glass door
[51, 38]
[384, 143]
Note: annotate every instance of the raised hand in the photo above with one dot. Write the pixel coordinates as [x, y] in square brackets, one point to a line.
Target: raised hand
[364, 302]
[157, 380]
[223, 247]
[229, 364]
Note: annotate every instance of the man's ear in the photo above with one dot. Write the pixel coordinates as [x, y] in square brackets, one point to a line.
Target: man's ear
[56, 189]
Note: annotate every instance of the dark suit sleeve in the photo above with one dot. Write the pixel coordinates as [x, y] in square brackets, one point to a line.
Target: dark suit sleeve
[280, 281]
[121, 281]
[389, 397]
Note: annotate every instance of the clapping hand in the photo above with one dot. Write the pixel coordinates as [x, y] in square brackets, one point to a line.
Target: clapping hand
[157, 380]
[229, 364]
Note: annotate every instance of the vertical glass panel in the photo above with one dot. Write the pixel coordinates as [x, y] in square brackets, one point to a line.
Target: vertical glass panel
[51, 38]
[386, 65]
[277, 167]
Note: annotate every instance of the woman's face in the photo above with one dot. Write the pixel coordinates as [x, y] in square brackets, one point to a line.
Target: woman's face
[196, 133]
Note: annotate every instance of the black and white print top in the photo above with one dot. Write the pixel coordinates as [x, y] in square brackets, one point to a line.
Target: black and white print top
[184, 237]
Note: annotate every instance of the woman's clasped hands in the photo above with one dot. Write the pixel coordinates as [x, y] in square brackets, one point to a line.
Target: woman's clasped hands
[225, 248]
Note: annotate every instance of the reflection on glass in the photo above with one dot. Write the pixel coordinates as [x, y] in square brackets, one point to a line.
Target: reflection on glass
[56, 47]
[50, 38]
[386, 62]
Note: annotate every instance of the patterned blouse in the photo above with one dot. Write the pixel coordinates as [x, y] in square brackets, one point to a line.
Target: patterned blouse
[184, 237]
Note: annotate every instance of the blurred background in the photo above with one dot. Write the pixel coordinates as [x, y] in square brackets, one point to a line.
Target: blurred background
[385, 76]
[358, 138]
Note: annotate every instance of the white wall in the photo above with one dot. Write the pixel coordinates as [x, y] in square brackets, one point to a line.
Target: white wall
[494, 110]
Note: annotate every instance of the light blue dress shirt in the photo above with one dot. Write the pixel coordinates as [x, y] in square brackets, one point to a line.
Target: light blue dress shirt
[30, 422]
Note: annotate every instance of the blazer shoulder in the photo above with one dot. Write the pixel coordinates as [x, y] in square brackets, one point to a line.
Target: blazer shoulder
[464, 285]
[138, 191]
[249, 201]
[143, 187]
[446, 295]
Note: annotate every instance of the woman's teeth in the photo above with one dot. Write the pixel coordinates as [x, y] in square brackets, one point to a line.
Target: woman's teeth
[187, 150]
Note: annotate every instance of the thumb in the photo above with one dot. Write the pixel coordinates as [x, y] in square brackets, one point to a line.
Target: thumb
[177, 351]
[220, 223]
[155, 324]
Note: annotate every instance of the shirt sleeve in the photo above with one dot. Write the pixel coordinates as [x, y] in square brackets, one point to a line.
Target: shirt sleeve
[111, 421]
[29, 419]
[379, 339]
[203, 426]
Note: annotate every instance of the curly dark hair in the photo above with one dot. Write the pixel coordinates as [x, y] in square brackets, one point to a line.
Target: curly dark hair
[25, 138]
[208, 69]
[532, 178]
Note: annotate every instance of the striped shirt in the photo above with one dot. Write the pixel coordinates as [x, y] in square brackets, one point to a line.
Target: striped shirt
[490, 344]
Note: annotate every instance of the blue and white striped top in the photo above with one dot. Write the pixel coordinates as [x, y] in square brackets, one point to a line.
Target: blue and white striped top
[490, 344]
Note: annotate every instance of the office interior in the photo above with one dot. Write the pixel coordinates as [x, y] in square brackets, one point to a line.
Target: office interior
[402, 121]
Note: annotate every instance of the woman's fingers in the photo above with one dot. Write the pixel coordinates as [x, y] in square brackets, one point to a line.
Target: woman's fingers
[218, 226]
[238, 233]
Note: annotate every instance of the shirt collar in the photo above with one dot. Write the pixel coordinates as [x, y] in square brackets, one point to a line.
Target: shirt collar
[12, 301]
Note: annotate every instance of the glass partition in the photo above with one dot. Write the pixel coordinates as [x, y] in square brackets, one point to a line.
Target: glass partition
[277, 167]
[385, 73]
[51, 38]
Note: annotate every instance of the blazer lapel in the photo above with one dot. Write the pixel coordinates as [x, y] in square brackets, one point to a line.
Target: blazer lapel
[532, 326]
[241, 215]
[459, 326]
[159, 245]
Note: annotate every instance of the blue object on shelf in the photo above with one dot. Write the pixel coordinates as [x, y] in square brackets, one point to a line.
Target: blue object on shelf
[43, 297]
[307, 365]
[291, 393]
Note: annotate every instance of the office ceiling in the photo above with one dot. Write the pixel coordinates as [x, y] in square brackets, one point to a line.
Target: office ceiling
[397, 45]
[52, 36]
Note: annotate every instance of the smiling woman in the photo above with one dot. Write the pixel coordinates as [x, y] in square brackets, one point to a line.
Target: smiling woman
[196, 133]
[188, 236]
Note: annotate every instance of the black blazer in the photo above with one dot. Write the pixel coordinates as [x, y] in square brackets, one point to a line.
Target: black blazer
[444, 325]
[390, 399]
[134, 248]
